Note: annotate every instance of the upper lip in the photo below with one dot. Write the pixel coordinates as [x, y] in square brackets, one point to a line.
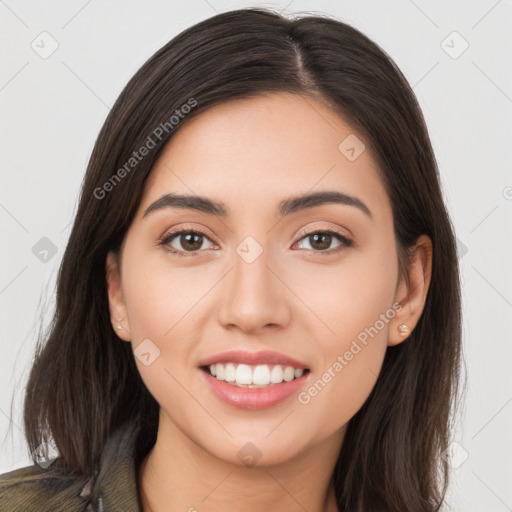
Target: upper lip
[253, 358]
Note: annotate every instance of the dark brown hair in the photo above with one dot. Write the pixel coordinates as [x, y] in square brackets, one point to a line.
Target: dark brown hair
[84, 383]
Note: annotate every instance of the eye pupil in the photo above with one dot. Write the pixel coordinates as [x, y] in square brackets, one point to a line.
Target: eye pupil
[326, 243]
[191, 246]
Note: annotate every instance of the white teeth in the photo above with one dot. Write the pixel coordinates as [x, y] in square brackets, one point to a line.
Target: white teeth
[229, 374]
[277, 375]
[219, 371]
[243, 374]
[289, 374]
[261, 375]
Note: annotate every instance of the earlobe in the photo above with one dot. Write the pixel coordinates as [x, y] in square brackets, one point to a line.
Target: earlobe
[116, 303]
[412, 292]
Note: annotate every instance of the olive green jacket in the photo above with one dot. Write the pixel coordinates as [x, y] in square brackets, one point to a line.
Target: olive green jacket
[28, 489]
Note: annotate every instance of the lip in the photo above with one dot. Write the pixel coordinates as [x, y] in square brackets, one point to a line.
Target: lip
[253, 358]
[253, 398]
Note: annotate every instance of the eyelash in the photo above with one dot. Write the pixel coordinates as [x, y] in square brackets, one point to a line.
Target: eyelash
[346, 242]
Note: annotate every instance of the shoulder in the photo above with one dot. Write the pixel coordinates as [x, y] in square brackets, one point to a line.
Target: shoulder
[114, 483]
[32, 488]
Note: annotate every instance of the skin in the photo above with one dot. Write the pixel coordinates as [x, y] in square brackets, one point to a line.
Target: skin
[251, 154]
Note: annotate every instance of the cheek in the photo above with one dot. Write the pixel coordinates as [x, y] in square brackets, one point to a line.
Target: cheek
[338, 392]
[347, 298]
[351, 361]
[355, 304]
[156, 311]
[160, 298]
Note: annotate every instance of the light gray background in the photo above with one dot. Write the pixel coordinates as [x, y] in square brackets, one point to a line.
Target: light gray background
[52, 110]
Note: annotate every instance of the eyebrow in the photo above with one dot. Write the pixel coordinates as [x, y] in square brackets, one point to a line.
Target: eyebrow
[286, 207]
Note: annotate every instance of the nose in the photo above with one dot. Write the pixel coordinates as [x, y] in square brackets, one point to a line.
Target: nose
[254, 296]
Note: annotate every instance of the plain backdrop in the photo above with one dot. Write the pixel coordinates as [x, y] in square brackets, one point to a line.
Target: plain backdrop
[63, 64]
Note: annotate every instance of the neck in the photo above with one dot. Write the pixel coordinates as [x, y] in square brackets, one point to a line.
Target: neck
[177, 474]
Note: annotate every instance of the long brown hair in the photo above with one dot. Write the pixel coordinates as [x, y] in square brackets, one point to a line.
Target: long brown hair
[84, 382]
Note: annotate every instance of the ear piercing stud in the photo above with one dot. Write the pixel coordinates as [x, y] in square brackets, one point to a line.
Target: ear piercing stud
[119, 326]
[403, 329]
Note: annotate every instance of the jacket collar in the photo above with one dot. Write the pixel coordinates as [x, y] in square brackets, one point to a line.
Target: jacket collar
[115, 479]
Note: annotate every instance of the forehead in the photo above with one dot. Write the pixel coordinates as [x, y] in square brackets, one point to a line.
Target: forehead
[253, 152]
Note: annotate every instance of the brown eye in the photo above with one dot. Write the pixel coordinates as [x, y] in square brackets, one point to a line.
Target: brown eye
[185, 241]
[190, 241]
[321, 241]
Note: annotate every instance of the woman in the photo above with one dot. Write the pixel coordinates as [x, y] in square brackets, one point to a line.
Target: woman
[259, 302]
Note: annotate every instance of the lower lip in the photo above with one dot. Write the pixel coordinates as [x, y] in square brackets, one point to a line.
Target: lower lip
[253, 398]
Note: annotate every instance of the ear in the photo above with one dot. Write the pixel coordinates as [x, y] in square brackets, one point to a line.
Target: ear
[116, 301]
[412, 292]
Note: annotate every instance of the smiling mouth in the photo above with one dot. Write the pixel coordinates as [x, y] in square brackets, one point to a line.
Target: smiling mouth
[254, 376]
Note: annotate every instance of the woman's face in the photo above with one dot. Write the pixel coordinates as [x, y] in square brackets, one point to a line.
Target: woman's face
[258, 279]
